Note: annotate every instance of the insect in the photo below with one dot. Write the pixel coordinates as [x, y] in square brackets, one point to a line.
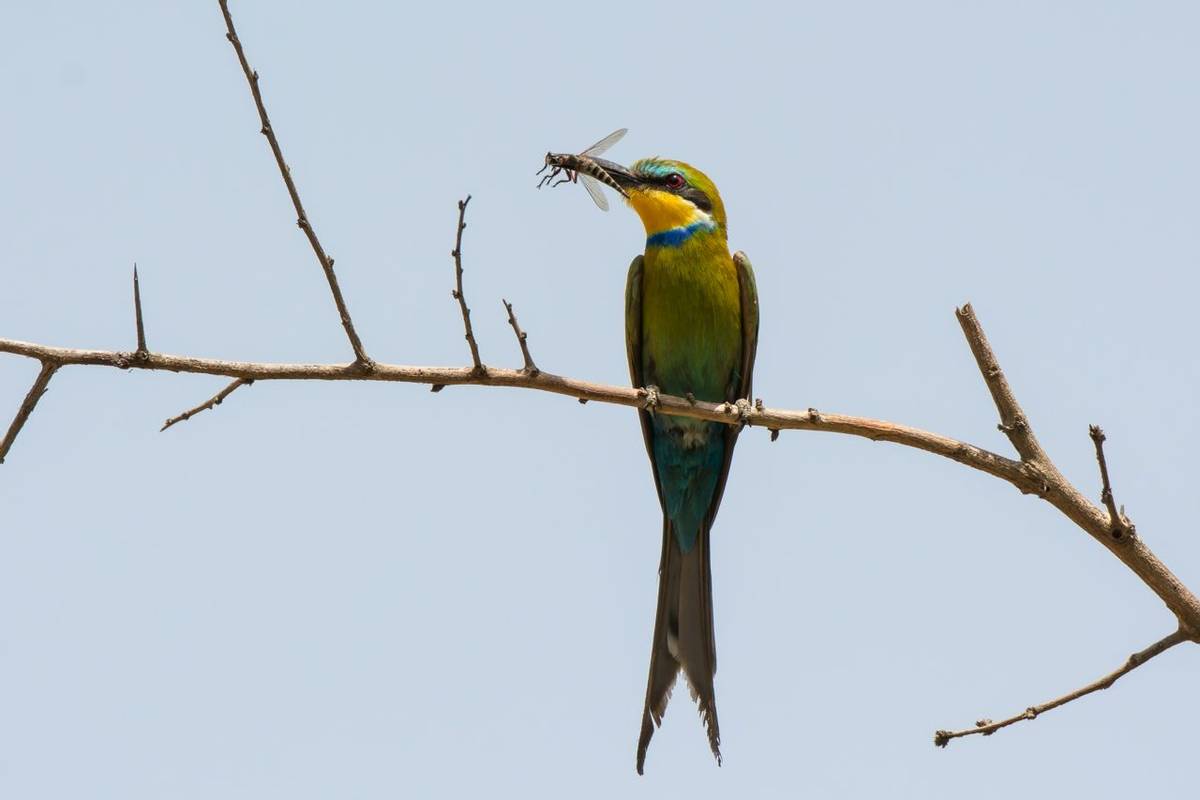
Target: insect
[584, 165]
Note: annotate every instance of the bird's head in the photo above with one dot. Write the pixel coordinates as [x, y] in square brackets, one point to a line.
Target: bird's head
[671, 197]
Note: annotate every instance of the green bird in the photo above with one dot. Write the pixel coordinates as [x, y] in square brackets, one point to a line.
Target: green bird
[691, 330]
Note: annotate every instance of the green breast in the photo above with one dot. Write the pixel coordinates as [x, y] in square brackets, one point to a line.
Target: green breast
[691, 318]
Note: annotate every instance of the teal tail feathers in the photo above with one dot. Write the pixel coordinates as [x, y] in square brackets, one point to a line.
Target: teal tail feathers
[683, 638]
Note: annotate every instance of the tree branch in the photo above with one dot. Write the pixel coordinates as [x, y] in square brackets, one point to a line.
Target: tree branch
[521, 338]
[986, 727]
[457, 293]
[1012, 419]
[1042, 477]
[326, 261]
[31, 399]
[1118, 522]
[215, 400]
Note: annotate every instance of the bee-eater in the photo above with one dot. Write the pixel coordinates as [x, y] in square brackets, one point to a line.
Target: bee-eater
[691, 330]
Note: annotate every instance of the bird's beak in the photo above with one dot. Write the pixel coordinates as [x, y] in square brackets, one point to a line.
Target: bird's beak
[626, 180]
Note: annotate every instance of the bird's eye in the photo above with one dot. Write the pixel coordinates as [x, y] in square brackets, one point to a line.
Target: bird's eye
[675, 181]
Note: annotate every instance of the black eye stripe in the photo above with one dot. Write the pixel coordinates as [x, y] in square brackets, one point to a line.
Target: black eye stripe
[698, 198]
[687, 191]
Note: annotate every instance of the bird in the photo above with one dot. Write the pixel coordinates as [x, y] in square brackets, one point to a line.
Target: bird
[691, 330]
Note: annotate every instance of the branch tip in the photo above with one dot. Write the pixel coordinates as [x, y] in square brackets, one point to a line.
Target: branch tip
[212, 402]
[1120, 526]
[986, 727]
[529, 367]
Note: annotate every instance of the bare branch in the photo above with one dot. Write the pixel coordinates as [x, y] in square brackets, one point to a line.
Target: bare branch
[31, 399]
[326, 261]
[986, 727]
[1119, 523]
[1012, 419]
[215, 400]
[1045, 480]
[1040, 478]
[457, 292]
[137, 310]
[764, 417]
[521, 337]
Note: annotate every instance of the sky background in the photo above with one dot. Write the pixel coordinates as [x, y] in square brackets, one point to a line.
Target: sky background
[371, 591]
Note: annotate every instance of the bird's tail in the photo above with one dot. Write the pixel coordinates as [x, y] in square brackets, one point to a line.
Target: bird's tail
[683, 638]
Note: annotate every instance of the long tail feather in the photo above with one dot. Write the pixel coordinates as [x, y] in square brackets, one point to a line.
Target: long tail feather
[683, 639]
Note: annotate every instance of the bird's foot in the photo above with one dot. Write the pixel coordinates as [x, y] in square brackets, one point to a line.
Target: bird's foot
[744, 411]
[651, 401]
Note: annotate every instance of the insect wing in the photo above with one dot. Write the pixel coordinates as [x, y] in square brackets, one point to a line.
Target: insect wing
[605, 143]
[593, 188]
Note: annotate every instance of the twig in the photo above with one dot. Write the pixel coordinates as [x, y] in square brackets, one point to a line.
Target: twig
[137, 310]
[521, 337]
[215, 400]
[457, 292]
[31, 399]
[987, 727]
[1012, 419]
[1120, 524]
[326, 261]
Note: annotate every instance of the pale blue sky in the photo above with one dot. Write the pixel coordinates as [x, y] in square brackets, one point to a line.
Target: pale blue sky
[370, 591]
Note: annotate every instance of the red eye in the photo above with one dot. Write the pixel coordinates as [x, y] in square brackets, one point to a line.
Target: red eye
[675, 181]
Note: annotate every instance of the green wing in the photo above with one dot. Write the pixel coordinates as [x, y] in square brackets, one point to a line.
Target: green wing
[740, 385]
[748, 291]
[633, 350]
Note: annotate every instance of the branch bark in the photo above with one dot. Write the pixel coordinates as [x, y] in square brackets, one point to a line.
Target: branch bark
[211, 402]
[457, 292]
[326, 261]
[522, 338]
[986, 727]
[27, 405]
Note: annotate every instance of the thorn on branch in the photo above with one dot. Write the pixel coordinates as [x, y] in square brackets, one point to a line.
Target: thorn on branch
[213, 401]
[137, 310]
[1120, 526]
[27, 405]
[530, 367]
[774, 433]
[437, 387]
[457, 292]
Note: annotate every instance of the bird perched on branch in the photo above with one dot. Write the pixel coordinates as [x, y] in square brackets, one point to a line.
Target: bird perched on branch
[691, 329]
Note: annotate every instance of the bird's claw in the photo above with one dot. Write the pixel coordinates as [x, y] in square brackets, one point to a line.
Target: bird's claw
[744, 410]
[651, 401]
